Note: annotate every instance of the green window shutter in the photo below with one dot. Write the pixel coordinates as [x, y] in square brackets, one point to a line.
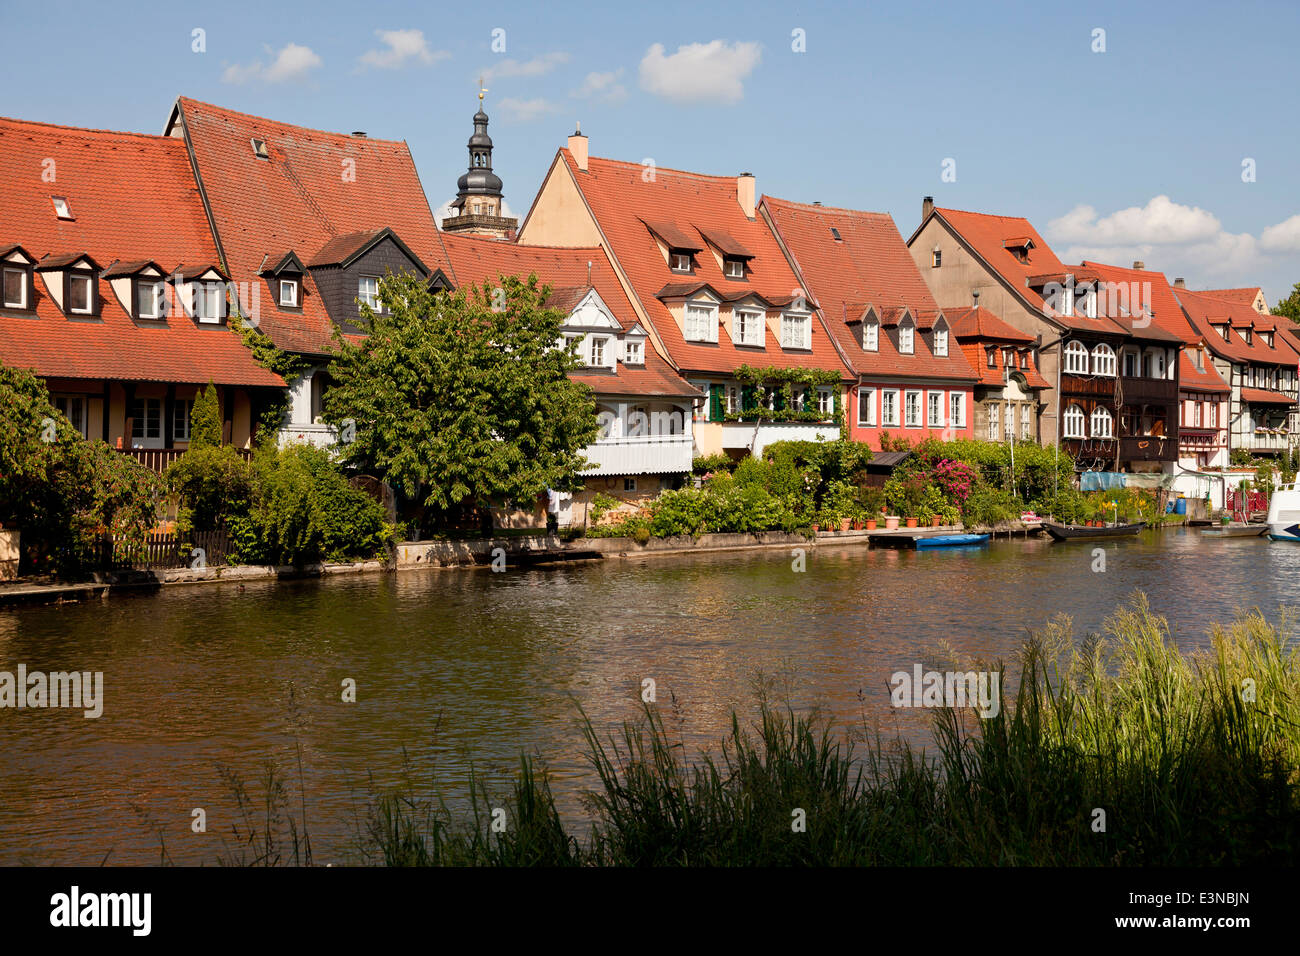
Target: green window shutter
[715, 403]
[780, 399]
[747, 401]
[836, 392]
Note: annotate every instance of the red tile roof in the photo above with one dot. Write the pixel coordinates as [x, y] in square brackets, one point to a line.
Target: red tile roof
[978, 329]
[988, 235]
[134, 198]
[980, 323]
[1207, 311]
[300, 199]
[868, 265]
[570, 272]
[623, 202]
[1245, 295]
[1263, 396]
[1197, 381]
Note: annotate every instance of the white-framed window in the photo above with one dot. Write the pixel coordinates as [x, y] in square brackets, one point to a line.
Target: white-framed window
[151, 299]
[181, 412]
[957, 409]
[1025, 422]
[61, 207]
[1158, 365]
[1076, 358]
[1090, 302]
[209, 301]
[1103, 360]
[747, 327]
[941, 342]
[934, 409]
[1131, 363]
[680, 261]
[995, 411]
[1103, 424]
[1009, 428]
[597, 350]
[701, 323]
[871, 335]
[912, 409]
[1067, 301]
[733, 399]
[633, 352]
[796, 331]
[734, 268]
[15, 288]
[81, 294]
[1214, 414]
[573, 344]
[368, 291]
[889, 407]
[146, 419]
[992, 356]
[1074, 422]
[936, 259]
[73, 408]
[289, 293]
[825, 401]
[867, 407]
[905, 333]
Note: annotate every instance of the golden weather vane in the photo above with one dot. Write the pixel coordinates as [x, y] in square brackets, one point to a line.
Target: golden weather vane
[481, 89]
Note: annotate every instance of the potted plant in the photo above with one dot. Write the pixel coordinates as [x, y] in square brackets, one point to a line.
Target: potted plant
[912, 522]
[891, 522]
[871, 523]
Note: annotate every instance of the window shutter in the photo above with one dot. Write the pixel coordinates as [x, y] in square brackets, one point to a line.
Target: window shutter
[835, 396]
[715, 403]
[747, 401]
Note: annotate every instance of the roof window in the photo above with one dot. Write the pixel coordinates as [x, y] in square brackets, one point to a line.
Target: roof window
[259, 148]
[61, 207]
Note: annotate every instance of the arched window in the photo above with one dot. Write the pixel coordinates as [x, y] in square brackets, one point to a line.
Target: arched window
[1102, 423]
[1074, 422]
[1076, 358]
[1103, 360]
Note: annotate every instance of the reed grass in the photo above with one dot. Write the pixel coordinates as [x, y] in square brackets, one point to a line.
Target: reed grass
[1193, 758]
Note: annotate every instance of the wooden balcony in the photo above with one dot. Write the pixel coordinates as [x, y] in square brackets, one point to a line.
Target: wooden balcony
[157, 459]
[1148, 391]
[1140, 448]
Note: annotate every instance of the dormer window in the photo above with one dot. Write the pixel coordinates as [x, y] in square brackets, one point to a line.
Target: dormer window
[701, 323]
[209, 302]
[597, 350]
[1268, 338]
[259, 148]
[734, 268]
[150, 299]
[81, 294]
[16, 295]
[796, 331]
[289, 293]
[368, 291]
[871, 335]
[61, 207]
[680, 261]
[941, 342]
[633, 352]
[992, 357]
[747, 327]
[1246, 333]
[905, 335]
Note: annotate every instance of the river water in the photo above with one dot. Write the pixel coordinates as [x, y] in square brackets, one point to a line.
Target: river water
[460, 669]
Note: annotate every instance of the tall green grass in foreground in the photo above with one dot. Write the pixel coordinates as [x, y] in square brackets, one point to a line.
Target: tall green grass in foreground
[1194, 761]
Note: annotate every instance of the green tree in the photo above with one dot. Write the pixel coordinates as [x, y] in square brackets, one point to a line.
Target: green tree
[1290, 306]
[205, 419]
[60, 490]
[460, 399]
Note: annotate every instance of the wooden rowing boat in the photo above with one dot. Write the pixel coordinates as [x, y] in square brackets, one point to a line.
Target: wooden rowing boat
[1235, 531]
[1079, 532]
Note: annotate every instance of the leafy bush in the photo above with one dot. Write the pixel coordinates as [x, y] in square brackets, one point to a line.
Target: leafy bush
[213, 482]
[705, 464]
[988, 506]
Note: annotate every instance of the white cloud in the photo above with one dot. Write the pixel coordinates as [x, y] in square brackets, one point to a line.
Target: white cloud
[603, 87]
[401, 47]
[537, 66]
[1161, 221]
[700, 72]
[1284, 237]
[524, 111]
[293, 62]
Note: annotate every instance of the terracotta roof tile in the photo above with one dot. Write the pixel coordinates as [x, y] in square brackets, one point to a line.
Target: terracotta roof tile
[868, 265]
[1263, 396]
[134, 198]
[1206, 311]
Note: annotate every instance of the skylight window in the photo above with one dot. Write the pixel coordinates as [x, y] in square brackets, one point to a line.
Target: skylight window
[61, 207]
[259, 149]
[835, 233]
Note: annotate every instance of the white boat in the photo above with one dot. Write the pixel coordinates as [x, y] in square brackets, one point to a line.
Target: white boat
[1284, 514]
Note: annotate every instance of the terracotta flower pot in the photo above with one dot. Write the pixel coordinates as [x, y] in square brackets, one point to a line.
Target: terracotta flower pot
[935, 521]
[816, 528]
[891, 522]
[871, 524]
[845, 523]
[912, 522]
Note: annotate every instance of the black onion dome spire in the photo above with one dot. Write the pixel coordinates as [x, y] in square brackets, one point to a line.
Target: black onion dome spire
[479, 180]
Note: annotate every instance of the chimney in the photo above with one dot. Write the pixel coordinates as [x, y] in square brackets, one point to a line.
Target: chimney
[578, 148]
[1139, 265]
[1179, 283]
[927, 207]
[745, 193]
[359, 134]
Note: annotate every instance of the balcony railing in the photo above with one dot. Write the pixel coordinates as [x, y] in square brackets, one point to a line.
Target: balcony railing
[643, 455]
[157, 459]
[755, 436]
[1148, 448]
[1149, 391]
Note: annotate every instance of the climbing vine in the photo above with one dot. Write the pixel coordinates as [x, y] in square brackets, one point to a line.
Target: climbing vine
[786, 379]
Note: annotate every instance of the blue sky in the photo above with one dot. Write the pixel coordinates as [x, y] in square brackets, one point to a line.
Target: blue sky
[1134, 152]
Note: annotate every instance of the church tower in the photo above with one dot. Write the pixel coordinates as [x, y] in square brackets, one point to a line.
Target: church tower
[478, 208]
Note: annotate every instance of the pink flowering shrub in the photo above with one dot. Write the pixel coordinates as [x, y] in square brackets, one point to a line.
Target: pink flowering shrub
[955, 478]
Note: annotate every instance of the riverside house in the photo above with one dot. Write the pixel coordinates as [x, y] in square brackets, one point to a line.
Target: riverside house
[912, 380]
[709, 284]
[1256, 357]
[1108, 414]
[1008, 394]
[307, 222]
[114, 292]
[645, 408]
